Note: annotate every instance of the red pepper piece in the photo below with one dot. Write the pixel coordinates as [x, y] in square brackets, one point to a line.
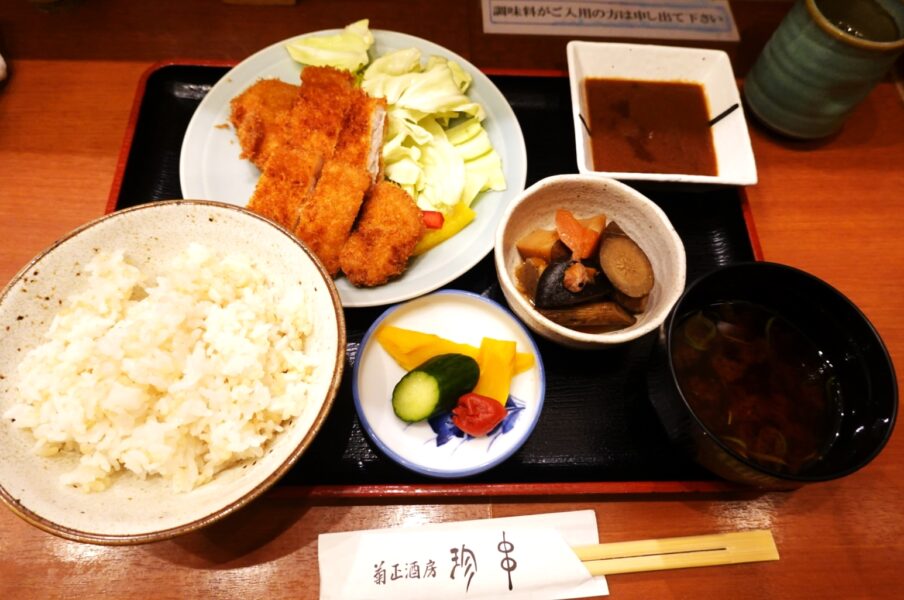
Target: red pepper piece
[433, 219]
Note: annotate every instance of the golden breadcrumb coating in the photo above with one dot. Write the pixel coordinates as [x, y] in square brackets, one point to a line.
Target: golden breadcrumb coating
[389, 228]
[259, 117]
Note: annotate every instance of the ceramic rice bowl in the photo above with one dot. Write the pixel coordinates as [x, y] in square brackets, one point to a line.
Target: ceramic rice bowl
[134, 510]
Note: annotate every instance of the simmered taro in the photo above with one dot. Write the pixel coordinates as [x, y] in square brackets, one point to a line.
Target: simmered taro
[543, 244]
[758, 383]
[527, 275]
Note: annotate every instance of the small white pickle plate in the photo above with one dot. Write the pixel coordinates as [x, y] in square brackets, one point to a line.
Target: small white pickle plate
[461, 317]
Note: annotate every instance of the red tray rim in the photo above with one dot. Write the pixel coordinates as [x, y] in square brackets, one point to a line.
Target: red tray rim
[447, 490]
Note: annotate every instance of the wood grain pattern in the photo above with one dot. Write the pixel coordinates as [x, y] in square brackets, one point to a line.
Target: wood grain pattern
[832, 208]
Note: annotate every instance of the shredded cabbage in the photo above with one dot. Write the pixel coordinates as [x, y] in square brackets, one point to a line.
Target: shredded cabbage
[346, 50]
[436, 146]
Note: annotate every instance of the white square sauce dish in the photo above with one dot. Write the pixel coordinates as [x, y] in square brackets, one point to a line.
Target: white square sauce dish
[648, 118]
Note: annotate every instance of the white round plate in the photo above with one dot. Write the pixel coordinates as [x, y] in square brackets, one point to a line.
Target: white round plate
[460, 317]
[210, 167]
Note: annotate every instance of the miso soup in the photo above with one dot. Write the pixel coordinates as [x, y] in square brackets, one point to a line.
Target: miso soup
[758, 383]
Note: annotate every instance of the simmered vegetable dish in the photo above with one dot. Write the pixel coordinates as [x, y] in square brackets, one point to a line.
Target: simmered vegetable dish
[586, 274]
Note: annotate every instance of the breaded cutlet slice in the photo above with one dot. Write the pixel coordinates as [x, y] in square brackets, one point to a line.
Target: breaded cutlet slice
[389, 227]
[325, 221]
[361, 142]
[288, 179]
[311, 132]
[259, 116]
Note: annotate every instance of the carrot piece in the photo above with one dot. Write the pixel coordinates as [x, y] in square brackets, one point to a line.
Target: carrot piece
[581, 240]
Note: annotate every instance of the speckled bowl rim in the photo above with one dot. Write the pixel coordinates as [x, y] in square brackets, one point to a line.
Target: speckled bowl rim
[131, 539]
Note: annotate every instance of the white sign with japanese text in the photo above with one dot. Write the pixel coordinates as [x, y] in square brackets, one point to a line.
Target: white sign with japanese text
[652, 19]
[515, 557]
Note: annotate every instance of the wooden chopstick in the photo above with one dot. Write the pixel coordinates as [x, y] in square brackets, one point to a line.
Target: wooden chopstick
[678, 553]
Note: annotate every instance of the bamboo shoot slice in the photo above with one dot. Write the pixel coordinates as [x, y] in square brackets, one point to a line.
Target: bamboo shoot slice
[603, 316]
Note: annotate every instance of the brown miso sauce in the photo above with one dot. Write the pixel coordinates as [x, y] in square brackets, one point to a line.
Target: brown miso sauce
[758, 383]
[649, 127]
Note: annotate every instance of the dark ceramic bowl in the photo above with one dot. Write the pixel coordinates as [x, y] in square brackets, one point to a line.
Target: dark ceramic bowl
[847, 339]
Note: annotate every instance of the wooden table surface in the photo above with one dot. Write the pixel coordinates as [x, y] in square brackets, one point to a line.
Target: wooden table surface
[832, 208]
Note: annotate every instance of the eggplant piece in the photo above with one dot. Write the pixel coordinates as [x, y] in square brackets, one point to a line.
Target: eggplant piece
[552, 293]
[596, 316]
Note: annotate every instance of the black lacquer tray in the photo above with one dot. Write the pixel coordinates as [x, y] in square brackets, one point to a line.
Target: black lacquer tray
[598, 432]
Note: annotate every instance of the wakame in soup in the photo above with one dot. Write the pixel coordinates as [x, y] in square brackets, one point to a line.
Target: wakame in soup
[758, 383]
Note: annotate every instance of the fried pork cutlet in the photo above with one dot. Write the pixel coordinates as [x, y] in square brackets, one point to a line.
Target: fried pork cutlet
[325, 97]
[259, 117]
[325, 221]
[288, 179]
[389, 227]
[311, 131]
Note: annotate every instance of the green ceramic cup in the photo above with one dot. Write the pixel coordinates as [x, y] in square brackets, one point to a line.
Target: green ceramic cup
[823, 59]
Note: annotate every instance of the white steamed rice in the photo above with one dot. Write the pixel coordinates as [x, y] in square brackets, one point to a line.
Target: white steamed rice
[179, 377]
